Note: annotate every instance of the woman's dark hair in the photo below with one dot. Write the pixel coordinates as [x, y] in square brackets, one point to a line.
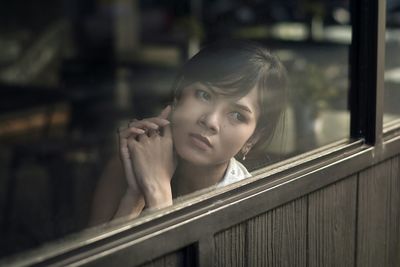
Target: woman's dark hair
[235, 68]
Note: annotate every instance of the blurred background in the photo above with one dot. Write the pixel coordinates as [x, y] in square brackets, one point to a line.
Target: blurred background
[72, 71]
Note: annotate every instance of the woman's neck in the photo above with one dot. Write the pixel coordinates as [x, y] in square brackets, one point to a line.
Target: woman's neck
[189, 177]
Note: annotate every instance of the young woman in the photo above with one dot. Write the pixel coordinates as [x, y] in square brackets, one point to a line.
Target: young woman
[227, 99]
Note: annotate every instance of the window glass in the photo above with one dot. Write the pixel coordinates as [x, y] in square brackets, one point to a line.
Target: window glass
[392, 62]
[73, 72]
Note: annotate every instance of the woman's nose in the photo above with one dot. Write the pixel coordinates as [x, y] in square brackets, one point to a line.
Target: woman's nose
[210, 121]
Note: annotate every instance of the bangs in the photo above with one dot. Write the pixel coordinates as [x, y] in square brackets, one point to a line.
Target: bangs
[232, 77]
[234, 69]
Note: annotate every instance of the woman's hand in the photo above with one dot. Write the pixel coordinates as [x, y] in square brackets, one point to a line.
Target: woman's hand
[152, 157]
[134, 129]
[132, 202]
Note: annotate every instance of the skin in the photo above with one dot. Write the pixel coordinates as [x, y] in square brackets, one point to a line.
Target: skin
[226, 122]
[194, 139]
[133, 143]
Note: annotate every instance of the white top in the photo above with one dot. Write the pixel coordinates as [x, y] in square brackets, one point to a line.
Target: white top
[234, 173]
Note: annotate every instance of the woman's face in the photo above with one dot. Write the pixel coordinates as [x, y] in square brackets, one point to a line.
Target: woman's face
[209, 128]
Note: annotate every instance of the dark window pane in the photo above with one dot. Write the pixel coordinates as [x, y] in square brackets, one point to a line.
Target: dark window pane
[73, 71]
[392, 62]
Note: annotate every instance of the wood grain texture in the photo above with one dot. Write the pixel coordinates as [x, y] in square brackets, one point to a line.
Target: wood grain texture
[278, 237]
[393, 222]
[260, 235]
[230, 247]
[353, 222]
[373, 200]
[332, 224]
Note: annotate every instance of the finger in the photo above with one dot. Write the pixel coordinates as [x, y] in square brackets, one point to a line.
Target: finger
[167, 131]
[131, 143]
[135, 123]
[123, 143]
[165, 112]
[123, 148]
[125, 132]
[156, 120]
[144, 124]
[159, 121]
[136, 131]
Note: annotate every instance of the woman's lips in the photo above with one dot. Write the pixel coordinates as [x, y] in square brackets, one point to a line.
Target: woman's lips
[200, 141]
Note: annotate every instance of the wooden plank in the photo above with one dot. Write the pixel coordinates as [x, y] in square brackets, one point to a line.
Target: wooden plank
[278, 237]
[175, 259]
[259, 231]
[230, 246]
[332, 224]
[290, 234]
[205, 251]
[372, 215]
[393, 221]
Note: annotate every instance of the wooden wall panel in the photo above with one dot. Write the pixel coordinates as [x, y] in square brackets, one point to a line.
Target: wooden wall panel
[373, 200]
[393, 221]
[230, 247]
[332, 224]
[353, 222]
[278, 237]
[260, 232]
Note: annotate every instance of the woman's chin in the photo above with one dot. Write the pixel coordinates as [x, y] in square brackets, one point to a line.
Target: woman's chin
[194, 158]
[199, 159]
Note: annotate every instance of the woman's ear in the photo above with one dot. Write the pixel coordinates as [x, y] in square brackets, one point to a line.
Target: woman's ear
[250, 143]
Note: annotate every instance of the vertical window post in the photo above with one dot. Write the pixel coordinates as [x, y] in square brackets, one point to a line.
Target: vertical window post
[367, 64]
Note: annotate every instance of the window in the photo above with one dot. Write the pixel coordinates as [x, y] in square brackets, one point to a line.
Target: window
[72, 75]
[392, 70]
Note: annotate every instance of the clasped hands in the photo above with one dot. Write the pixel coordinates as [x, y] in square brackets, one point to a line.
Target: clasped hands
[146, 152]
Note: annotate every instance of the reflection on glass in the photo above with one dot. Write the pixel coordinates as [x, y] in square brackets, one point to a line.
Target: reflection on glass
[318, 106]
[227, 101]
[392, 62]
[73, 72]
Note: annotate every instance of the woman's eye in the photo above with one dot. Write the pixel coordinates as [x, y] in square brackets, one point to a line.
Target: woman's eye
[238, 116]
[203, 95]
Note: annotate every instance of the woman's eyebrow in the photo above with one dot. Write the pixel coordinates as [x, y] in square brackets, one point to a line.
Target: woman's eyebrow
[242, 107]
[236, 105]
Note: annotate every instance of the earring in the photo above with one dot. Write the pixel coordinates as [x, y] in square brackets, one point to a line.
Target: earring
[245, 153]
[246, 150]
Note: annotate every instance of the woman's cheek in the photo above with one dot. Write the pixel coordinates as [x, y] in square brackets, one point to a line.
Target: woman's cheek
[231, 141]
[178, 119]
